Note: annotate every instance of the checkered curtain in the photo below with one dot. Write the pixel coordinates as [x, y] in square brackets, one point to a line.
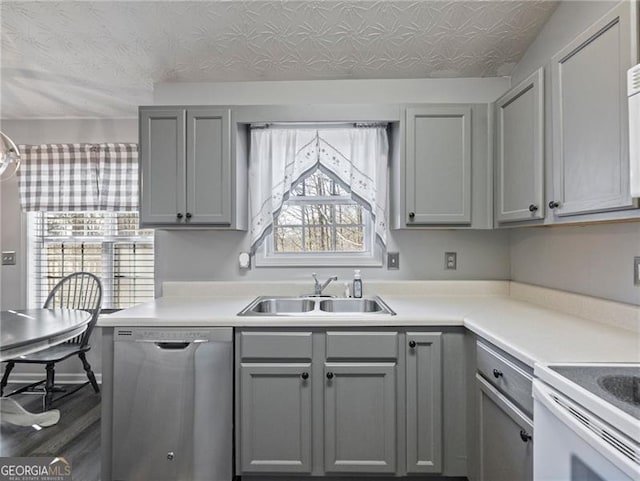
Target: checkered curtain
[58, 177]
[79, 177]
[118, 174]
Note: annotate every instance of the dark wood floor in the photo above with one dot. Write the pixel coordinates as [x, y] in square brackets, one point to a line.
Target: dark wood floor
[76, 437]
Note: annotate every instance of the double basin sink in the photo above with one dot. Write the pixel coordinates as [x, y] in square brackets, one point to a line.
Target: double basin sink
[313, 306]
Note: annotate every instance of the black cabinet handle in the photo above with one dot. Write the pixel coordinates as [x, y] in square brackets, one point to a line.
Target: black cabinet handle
[329, 375]
[525, 436]
[305, 375]
[554, 204]
[533, 208]
[412, 215]
[412, 344]
[188, 215]
[179, 215]
[497, 374]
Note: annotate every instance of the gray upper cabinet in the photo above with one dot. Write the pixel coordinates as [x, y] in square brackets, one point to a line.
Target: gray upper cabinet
[424, 402]
[520, 151]
[188, 176]
[208, 166]
[438, 166]
[162, 165]
[590, 133]
[275, 420]
[360, 417]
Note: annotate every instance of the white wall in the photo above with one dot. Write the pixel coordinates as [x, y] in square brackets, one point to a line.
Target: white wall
[595, 260]
[192, 255]
[469, 90]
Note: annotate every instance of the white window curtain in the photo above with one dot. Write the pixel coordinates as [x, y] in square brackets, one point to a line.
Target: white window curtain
[356, 157]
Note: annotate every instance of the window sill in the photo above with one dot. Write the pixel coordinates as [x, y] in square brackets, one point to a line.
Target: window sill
[327, 260]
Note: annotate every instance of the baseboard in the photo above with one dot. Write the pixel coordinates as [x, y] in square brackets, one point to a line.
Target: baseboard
[61, 378]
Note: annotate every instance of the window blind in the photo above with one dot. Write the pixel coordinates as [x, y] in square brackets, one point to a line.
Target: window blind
[107, 244]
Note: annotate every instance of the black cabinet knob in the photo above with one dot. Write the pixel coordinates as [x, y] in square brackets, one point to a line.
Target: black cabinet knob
[329, 375]
[412, 215]
[497, 374]
[188, 215]
[412, 344]
[554, 204]
[305, 375]
[179, 215]
[525, 436]
[533, 208]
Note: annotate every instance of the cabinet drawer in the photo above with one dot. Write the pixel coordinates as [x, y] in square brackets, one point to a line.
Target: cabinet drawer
[362, 345]
[515, 383]
[276, 345]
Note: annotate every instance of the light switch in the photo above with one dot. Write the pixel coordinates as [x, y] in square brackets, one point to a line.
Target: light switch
[393, 260]
[9, 258]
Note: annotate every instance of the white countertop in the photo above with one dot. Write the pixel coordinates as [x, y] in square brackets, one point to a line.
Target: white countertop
[529, 332]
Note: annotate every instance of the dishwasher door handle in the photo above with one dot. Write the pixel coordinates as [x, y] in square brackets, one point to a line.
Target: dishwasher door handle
[174, 346]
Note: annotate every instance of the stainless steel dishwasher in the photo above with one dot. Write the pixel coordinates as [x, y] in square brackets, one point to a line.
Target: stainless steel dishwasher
[173, 404]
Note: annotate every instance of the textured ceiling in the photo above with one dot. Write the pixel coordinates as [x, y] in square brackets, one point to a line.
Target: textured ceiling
[66, 59]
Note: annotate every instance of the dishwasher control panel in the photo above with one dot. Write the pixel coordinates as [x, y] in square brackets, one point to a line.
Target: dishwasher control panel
[173, 334]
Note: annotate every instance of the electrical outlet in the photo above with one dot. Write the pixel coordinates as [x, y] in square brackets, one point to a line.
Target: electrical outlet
[636, 271]
[393, 260]
[450, 261]
[9, 258]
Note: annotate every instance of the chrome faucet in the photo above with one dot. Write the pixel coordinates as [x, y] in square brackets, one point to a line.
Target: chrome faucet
[318, 288]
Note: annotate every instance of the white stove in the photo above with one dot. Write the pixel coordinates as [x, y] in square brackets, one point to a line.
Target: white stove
[587, 422]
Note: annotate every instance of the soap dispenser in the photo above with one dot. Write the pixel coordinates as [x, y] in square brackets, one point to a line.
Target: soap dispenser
[357, 284]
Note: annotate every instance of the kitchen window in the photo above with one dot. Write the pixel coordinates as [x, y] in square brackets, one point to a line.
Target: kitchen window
[81, 204]
[107, 244]
[318, 194]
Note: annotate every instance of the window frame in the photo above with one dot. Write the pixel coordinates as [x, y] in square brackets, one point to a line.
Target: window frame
[107, 242]
[266, 256]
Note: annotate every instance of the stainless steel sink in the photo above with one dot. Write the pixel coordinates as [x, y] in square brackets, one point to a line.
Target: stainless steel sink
[366, 305]
[284, 306]
[313, 306]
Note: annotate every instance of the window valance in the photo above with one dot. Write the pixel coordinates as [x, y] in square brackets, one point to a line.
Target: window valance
[79, 177]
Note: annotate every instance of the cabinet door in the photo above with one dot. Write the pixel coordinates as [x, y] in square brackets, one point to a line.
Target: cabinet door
[209, 166]
[275, 417]
[162, 166]
[520, 151]
[506, 443]
[438, 165]
[590, 120]
[360, 417]
[424, 402]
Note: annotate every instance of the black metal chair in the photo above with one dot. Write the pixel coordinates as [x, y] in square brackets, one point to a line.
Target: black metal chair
[80, 290]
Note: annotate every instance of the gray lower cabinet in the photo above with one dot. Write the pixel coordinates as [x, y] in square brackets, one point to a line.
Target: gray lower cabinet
[424, 402]
[348, 402]
[590, 119]
[275, 427]
[360, 417]
[438, 165]
[188, 177]
[506, 437]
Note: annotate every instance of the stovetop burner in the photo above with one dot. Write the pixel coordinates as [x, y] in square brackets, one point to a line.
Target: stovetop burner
[618, 385]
